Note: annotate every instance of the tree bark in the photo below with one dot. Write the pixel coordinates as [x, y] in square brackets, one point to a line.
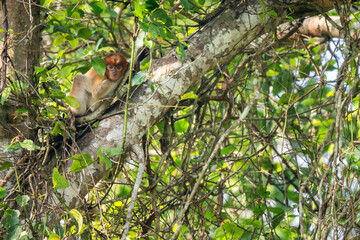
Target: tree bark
[24, 52]
[24, 20]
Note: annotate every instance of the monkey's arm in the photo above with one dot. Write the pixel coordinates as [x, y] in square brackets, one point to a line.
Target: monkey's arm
[80, 90]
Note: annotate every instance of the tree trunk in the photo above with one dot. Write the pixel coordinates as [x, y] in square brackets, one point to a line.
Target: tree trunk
[24, 51]
[25, 41]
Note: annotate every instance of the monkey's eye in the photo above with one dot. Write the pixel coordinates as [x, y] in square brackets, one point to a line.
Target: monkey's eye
[118, 67]
[111, 66]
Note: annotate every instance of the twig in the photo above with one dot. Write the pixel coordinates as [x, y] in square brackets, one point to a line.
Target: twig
[4, 54]
[69, 50]
[120, 24]
[141, 156]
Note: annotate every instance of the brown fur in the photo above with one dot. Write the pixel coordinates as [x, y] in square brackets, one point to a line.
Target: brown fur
[90, 88]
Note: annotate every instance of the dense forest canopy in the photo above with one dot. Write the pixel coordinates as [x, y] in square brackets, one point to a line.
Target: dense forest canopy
[238, 120]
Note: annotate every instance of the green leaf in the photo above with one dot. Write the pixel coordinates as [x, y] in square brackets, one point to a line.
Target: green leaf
[71, 9]
[104, 159]
[286, 80]
[275, 221]
[145, 28]
[98, 7]
[60, 54]
[284, 233]
[159, 17]
[139, 78]
[70, 37]
[181, 51]
[99, 43]
[74, 43]
[160, 126]
[181, 126]
[228, 231]
[183, 232]
[65, 72]
[54, 236]
[139, 9]
[80, 162]
[109, 152]
[57, 93]
[59, 182]
[278, 167]
[72, 101]
[53, 110]
[57, 130]
[5, 94]
[21, 111]
[308, 101]
[171, 34]
[257, 223]
[288, 98]
[154, 31]
[124, 190]
[293, 196]
[290, 18]
[57, 41]
[99, 66]
[12, 218]
[112, 151]
[272, 13]
[22, 200]
[266, 165]
[189, 96]
[227, 150]
[186, 4]
[13, 147]
[276, 210]
[151, 5]
[2, 192]
[61, 29]
[79, 219]
[105, 49]
[84, 33]
[259, 209]
[29, 145]
[263, 192]
[14, 232]
[40, 70]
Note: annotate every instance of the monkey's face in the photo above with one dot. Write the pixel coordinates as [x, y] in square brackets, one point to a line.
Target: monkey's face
[116, 65]
[114, 72]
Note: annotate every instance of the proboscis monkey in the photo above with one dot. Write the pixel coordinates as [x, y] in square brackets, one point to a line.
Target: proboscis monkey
[90, 88]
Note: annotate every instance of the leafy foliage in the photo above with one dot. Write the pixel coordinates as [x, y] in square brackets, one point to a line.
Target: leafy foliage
[290, 170]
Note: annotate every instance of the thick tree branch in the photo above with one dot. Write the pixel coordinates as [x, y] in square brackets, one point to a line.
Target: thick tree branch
[321, 27]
